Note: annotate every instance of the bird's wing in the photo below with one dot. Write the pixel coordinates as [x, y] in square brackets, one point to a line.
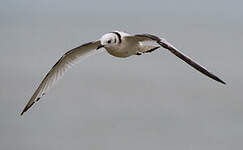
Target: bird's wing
[165, 44]
[62, 65]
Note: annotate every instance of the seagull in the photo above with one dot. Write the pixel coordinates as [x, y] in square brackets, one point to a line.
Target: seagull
[118, 44]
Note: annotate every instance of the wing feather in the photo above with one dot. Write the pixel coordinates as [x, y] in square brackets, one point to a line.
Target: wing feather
[62, 65]
[165, 44]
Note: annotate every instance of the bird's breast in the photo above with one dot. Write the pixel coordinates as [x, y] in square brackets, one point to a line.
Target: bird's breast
[118, 52]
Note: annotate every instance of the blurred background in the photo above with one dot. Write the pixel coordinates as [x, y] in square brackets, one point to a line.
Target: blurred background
[152, 101]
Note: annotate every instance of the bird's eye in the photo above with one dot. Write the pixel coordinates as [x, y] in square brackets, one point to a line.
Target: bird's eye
[109, 41]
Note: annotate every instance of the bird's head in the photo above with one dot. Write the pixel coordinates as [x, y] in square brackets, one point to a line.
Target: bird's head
[108, 40]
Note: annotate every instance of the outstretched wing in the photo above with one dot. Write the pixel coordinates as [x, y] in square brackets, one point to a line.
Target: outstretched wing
[65, 62]
[172, 49]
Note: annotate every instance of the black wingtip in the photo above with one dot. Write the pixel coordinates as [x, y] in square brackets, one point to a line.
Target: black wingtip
[221, 81]
[212, 76]
[25, 109]
[22, 113]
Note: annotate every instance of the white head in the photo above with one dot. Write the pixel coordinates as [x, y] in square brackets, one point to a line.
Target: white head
[110, 39]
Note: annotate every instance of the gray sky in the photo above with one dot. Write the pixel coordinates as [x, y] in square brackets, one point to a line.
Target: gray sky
[152, 101]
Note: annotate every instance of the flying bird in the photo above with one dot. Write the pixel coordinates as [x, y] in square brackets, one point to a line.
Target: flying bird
[118, 44]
